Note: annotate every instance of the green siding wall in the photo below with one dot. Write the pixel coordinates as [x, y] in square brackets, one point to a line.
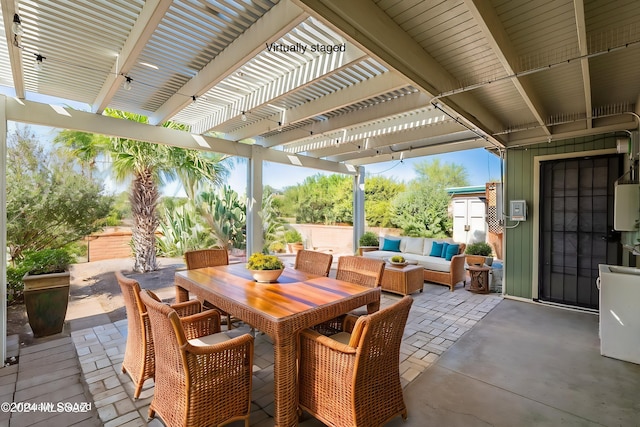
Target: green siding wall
[519, 241]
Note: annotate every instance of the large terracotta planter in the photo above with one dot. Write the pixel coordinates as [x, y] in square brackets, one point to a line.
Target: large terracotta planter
[46, 297]
[295, 247]
[475, 259]
[266, 276]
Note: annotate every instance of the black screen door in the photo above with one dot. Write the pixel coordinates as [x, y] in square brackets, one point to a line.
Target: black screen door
[576, 228]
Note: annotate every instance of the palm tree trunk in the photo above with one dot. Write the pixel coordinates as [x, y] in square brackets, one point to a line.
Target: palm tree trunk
[144, 199]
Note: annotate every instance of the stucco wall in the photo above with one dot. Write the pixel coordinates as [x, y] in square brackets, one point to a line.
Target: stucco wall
[337, 238]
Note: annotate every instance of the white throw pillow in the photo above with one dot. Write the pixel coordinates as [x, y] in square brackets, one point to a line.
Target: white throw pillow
[414, 245]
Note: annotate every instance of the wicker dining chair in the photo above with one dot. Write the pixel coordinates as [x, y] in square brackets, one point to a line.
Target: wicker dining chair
[201, 258]
[353, 378]
[139, 355]
[200, 381]
[312, 262]
[359, 270]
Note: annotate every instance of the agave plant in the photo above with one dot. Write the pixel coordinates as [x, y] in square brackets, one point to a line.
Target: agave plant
[181, 230]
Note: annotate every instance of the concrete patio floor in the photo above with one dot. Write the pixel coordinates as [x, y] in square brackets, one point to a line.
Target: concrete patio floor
[467, 359]
[526, 364]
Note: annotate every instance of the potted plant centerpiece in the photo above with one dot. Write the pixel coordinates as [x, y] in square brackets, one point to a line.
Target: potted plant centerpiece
[368, 242]
[46, 289]
[478, 253]
[265, 268]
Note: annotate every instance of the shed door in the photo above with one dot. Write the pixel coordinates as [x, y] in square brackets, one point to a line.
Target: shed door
[576, 228]
[469, 220]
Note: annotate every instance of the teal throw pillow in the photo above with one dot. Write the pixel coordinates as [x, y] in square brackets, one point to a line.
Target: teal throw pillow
[392, 245]
[451, 251]
[436, 249]
[443, 254]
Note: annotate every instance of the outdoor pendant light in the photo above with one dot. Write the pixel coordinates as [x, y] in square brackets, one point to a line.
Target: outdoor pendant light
[16, 28]
[127, 84]
[38, 65]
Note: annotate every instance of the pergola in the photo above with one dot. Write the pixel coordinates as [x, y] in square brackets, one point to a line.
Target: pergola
[326, 84]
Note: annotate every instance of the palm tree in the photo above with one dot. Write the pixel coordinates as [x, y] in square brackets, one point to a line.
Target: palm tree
[150, 166]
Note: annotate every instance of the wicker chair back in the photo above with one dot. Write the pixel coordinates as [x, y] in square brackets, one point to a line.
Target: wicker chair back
[312, 262]
[360, 270]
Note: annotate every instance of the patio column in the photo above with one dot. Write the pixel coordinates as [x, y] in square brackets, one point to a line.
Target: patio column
[358, 206]
[255, 239]
[3, 232]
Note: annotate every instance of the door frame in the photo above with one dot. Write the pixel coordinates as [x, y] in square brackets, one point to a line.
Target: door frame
[535, 217]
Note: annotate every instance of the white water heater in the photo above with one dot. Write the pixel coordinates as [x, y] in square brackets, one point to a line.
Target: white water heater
[626, 207]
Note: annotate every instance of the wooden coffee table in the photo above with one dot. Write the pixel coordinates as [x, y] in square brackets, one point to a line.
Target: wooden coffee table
[403, 280]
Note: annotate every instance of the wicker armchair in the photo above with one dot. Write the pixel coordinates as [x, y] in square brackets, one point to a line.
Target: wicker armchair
[139, 354]
[353, 379]
[202, 381]
[317, 263]
[204, 258]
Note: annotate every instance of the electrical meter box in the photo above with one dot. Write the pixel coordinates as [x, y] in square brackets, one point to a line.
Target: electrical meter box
[518, 210]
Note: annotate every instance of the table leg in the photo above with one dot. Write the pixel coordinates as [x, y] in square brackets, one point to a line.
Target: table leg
[182, 294]
[285, 382]
[372, 307]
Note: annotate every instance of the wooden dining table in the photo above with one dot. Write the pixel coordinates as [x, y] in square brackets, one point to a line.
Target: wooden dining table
[296, 301]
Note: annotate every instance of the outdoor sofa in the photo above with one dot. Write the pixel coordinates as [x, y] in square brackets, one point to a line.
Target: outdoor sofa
[443, 260]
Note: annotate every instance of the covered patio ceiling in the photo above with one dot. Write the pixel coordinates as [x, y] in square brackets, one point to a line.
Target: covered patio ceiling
[354, 82]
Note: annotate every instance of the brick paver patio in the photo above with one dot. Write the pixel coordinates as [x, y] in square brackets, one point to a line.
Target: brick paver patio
[437, 319]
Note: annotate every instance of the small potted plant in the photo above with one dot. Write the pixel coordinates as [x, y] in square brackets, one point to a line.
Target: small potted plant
[265, 268]
[294, 240]
[479, 253]
[368, 242]
[276, 247]
[46, 289]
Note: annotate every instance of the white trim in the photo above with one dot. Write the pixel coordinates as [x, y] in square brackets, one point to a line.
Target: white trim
[521, 299]
[545, 304]
[535, 212]
[31, 112]
[3, 229]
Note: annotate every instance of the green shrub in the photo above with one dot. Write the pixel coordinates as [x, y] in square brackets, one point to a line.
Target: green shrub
[15, 285]
[369, 238]
[479, 248]
[48, 261]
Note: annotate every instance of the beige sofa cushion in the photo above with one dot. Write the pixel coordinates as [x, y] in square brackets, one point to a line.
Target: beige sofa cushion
[413, 245]
[435, 264]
